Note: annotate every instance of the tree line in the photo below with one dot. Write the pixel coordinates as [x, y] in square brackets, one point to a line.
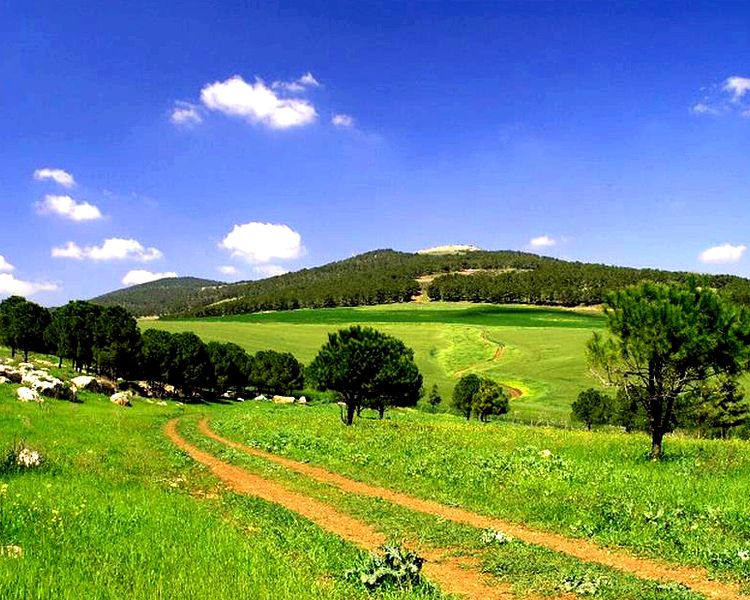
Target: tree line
[106, 340]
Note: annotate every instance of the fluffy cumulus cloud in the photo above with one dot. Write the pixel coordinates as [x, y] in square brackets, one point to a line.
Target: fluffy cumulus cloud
[724, 254]
[66, 207]
[259, 243]
[137, 276]
[5, 266]
[731, 97]
[543, 241]
[185, 114]
[269, 271]
[59, 176]
[342, 120]
[11, 286]
[111, 249]
[257, 103]
[228, 270]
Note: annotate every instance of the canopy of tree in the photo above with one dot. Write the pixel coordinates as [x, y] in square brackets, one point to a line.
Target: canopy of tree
[666, 345]
[480, 396]
[368, 369]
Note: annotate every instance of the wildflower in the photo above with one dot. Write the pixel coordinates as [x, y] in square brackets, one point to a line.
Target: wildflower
[28, 458]
[744, 555]
[545, 453]
[493, 536]
[11, 551]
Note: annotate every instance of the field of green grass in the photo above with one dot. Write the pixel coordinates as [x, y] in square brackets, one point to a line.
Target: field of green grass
[689, 509]
[117, 512]
[539, 351]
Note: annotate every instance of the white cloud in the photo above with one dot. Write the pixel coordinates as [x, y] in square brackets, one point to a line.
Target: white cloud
[726, 253]
[737, 86]
[257, 103]
[59, 176]
[342, 120]
[263, 242]
[68, 208]
[138, 276]
[111, 249]
[11, 286]
[701, 108]
[185, 114]
[270, 270]
[298, 85]
[228, 270]
[5, 265]
[543, 241]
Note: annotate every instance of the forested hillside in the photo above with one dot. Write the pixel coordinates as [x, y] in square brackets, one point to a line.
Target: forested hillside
[387, 276]
[170, 295]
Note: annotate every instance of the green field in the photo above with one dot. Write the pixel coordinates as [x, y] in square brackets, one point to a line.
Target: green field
[539, 351]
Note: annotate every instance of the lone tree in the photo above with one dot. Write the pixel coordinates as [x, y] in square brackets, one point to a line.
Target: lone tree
[664, 343]
[368, 368]
[22, 325]
[593, 407]
[490, 399]
[464, 392]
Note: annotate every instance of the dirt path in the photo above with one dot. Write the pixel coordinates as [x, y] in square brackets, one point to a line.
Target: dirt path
[453, 575]
[695, 578]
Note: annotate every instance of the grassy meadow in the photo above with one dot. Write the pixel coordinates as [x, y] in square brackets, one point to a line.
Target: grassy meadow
[540, 351]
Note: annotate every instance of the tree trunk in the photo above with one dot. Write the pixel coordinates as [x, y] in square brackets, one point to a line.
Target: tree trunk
[25, 356]
[351, 408]
[657, 435]
[59, 363]
[12, 352]
[381, 410]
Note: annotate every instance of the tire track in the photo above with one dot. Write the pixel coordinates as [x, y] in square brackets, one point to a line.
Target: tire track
[453, 575]
[695, 578]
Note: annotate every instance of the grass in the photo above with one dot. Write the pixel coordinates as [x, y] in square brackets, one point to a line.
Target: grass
[691, 509]
[537, 350]
[117, 512]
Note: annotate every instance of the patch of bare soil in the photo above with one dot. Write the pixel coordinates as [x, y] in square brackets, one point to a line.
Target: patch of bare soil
[453, 576]
[695, 578]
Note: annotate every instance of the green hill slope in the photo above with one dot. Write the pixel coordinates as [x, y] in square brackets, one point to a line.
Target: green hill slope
[170, 295]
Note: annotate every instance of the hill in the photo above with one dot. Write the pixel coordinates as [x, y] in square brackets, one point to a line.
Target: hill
[169, 295]
[387, 276]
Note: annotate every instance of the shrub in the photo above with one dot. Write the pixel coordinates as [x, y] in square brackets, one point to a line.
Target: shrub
[395, 567]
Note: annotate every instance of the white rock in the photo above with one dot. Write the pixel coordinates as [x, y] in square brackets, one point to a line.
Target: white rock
[121, 398]
[27, 395]
[86, 382]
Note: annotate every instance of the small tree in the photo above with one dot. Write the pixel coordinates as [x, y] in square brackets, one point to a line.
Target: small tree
[22, 325]
[664, 343]
[275, 372]
[230, 363]
[490, 399]
[434, 399]
[366, 367]
[190, 366]
[593, 407]
[156, 356]
[117, 342]
[464, 392]
[719, 408]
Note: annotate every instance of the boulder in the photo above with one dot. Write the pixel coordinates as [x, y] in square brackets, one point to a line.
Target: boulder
[260, 397]
[301, 400]
[283, 399]
[28, 395]
[86, 382]
[106, 386]
[4, 379]
[12, 374]
[121, 398]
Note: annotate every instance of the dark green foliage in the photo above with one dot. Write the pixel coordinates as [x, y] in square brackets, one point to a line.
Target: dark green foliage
[117, 343]
[464, 393]
[190, 367]
[717, 409]
[368, 368]
[156, 349]
[434, 398]
[665, 342]
[22, 325]
[490, 399]
[231, 366]
[170, 295]
[396, 567]
[72, 332]
[274, 372]
[593, 407]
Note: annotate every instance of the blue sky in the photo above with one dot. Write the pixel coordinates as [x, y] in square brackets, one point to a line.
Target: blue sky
[227, 141]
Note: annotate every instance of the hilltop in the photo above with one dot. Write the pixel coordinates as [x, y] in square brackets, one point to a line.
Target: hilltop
[387, 276]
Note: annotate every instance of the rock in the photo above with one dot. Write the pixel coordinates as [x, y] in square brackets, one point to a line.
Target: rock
[283, 399]
[121, 398]
[13, 375]
[106, 386]
[28, 395]
[86, 382]
[301, 400]
[4, 379]
[260, 397]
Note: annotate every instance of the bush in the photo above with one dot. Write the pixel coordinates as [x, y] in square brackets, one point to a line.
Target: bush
[395, 568]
